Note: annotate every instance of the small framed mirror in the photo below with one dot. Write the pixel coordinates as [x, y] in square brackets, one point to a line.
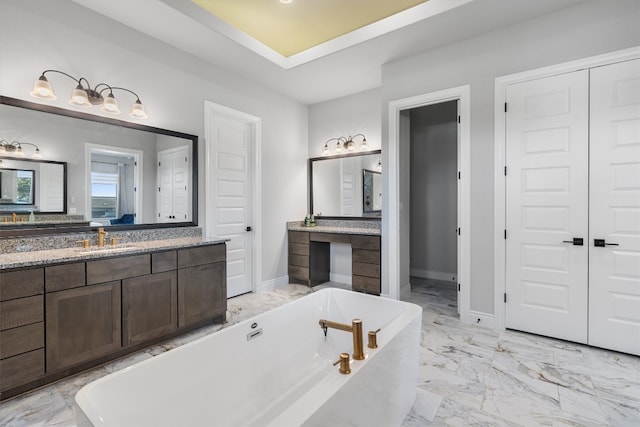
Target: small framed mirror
[346, 185]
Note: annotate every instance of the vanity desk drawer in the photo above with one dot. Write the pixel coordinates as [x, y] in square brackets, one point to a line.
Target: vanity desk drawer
[21, 283]
[106, 270]
[65, 276]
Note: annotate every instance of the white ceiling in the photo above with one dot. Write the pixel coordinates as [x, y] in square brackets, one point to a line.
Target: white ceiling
[340, 67]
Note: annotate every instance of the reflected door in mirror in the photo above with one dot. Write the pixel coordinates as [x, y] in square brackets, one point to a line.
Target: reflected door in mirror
[174, 187]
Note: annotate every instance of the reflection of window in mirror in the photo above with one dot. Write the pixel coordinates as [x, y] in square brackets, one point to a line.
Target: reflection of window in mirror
[113, 179]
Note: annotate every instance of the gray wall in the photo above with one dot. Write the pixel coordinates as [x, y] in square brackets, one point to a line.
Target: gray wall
[588, 29]
[434, 205]
[173, 85]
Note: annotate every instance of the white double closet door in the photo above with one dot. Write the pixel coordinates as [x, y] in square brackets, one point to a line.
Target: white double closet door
[573, 206]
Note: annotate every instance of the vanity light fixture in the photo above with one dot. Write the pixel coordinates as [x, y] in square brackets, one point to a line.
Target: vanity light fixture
[344, 143]
[14, 148]
[84, 96]
[379, 166]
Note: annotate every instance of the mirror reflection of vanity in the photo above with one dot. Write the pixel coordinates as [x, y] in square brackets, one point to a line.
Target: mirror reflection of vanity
[28, 185]
[347, 185]
[118, 174]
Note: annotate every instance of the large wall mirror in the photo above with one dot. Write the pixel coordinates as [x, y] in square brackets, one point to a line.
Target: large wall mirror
[118, 174]
[347, 185]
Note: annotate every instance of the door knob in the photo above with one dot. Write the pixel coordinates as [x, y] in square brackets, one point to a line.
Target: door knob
[601, 243]
[249, 229]
[577, 241]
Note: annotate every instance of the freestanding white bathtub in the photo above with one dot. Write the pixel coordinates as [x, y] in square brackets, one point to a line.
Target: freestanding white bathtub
[275, 369]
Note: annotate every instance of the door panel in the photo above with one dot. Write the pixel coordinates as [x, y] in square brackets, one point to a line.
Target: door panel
[231, 189]
[614, 271]
[547, 202]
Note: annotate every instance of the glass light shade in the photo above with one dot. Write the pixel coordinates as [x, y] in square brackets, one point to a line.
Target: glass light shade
[325, 150]
[351, 146]
[110, 105]
[338, 147]
[2, 150]
[37, 154]
[137, 110]
[79, 97]
[379, 166]
[42, 89]
[19, 152]
[364, 145]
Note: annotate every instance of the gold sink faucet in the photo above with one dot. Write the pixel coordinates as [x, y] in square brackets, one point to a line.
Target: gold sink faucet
[101, 234]
[355, 329]
[14, 217]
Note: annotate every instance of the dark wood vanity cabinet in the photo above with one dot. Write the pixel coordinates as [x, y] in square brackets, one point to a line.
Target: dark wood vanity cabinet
[309, 259]
[71, 316]
[82, 324]
[21, 327]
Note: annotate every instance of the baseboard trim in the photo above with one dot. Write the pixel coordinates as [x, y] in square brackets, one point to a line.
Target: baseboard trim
[270, 285]
[434, 275]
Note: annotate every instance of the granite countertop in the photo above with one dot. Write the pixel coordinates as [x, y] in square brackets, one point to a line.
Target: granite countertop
[35, 258]
[368, 231]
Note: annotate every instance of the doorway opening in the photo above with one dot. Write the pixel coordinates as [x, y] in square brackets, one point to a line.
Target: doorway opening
[397, 226]
[433, 182]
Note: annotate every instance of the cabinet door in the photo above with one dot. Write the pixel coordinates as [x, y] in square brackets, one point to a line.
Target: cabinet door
[82, 324]
[202, 293]
[149, 307]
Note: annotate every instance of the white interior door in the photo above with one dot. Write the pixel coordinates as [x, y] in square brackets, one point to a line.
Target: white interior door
[230, 188]
[181, 184]
[614, 269]
[547, 206]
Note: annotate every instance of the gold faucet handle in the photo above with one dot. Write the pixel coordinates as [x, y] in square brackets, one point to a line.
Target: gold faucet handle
[84, 243]
[344, 364]
[115, 240]
[373, 339]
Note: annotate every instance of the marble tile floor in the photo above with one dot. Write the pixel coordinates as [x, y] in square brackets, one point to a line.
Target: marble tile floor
[469, 375]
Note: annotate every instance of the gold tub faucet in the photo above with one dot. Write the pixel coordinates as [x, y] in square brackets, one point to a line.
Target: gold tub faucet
[101, 234]
[355, 329]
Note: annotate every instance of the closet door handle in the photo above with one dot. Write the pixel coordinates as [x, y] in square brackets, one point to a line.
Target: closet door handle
[600, 243]
[577, 241]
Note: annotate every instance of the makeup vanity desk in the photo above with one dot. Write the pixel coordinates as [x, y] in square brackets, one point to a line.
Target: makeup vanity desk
[310, 255]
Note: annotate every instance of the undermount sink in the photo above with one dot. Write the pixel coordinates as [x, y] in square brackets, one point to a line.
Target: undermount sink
[97, 249]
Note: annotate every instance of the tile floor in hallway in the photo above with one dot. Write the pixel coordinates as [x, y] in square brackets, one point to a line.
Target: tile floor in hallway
[469, 375]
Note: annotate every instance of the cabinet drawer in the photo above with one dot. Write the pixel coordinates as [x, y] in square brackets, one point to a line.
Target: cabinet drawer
[365, 242]
[164, 261]
[21, 340]
[369, 285]
[298, 237]
[20, 312]
[299, 260]
[107, 270]
[21, 369]
[368, 270]
[21, 283]
[330, 237]
[299, 273]
[299, 248]
[65, 276]
[365, 256]
[201, 255]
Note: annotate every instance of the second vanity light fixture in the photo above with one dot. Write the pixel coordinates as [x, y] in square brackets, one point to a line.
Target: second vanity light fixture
[85, 96]
[14, 148]
[345, 143]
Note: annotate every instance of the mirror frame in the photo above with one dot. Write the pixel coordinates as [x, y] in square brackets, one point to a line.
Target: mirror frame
[64, 184]
[5, 100]
[338, 156]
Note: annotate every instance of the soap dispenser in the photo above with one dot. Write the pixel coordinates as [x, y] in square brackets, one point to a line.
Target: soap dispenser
[32, 217]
